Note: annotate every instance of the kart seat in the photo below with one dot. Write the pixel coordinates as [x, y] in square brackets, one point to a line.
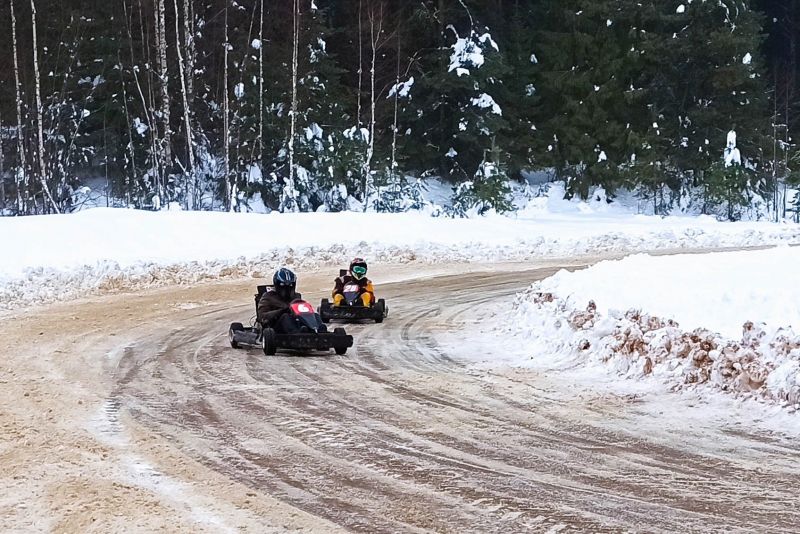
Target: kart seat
[261, 290]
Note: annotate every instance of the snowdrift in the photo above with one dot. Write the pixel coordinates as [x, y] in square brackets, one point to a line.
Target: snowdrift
[725, 321]
[60, 257]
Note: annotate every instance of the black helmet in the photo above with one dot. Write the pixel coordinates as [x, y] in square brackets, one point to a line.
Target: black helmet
[358, 268]
[285, 282]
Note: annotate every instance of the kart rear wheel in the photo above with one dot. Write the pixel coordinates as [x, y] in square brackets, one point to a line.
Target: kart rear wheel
[269, 342]
[381, 307]
[235, 327]
[341, 351]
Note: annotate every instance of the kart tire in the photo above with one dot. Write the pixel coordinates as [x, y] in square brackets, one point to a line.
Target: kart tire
[235, 327]
[340, 351]
[381, 307]
[323, 308]
[268, 342]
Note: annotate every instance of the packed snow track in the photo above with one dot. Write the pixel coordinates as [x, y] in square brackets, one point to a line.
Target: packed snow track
[399, 435]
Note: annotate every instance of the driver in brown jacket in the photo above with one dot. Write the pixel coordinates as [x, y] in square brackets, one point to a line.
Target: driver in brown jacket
[273, 306]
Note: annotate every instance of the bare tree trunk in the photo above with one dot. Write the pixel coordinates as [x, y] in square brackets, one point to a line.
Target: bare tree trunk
[229, 182]
[164, 79]
[148, 98]
[374, 33]
[360, 69]
[2, 171]
[395, 181]
[290, 185]
[129, 127]
[190, 182]
[157, 108]
[191, 54]
[40, 113]
[791, 71]
[191, 60]
[21, 176]
[237, 122]
[261, 86]
[147, 106]
[778, 211]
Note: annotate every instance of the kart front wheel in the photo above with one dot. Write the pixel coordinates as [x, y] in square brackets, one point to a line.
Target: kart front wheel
[235, 327]
[341, 351]
[269, 342]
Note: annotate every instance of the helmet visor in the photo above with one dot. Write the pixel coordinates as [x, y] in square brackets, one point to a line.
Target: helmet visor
[285, 291]
[359, 271]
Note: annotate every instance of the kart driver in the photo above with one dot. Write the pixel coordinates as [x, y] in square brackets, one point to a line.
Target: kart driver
[273, 306]
[356, 276]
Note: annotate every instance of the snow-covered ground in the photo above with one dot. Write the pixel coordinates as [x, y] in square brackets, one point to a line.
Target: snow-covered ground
[725, 321]
[49, 258]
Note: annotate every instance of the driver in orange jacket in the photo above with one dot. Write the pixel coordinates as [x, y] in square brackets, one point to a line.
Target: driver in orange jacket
[356, 276]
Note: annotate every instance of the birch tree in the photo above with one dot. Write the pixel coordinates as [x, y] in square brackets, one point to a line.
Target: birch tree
[375, 31]
[161, 31]
[360, 66]
[191, 183]
[145, 95]
[229, 180]
[393, 171]
[129, 129]
[190, 48]
[2, 171]
[261, 84]
[21, 176]
[40, 113]
[289, 190]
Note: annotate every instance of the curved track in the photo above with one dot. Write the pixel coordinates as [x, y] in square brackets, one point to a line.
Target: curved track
[400, 436]
[396, 436]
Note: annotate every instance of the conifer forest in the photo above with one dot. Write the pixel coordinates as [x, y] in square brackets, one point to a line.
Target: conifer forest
[306, 105]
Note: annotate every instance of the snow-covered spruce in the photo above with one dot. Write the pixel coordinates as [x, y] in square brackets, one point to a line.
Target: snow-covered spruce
[758, 358]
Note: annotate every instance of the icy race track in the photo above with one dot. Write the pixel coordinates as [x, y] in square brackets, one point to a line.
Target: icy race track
[132, 413]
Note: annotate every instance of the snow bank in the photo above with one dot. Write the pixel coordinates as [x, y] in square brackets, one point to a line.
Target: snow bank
[720, 291]
[728, 321]
[58, 257]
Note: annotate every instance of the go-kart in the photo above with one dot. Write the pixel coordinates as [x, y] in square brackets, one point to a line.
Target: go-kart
[311, 333]
[352, 307]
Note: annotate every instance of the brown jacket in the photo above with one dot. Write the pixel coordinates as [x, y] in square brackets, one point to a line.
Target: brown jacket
[271, 306]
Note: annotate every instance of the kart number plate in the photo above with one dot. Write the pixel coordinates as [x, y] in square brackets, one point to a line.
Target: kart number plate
[302, 307]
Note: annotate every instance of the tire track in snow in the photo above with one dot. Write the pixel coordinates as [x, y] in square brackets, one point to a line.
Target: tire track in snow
[398, 435]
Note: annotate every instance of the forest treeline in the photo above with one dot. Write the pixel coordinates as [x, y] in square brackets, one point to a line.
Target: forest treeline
[299, 105]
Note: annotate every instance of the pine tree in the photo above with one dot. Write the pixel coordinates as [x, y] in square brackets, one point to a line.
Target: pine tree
[701, 74]
[458, 95]
[488, 190]
[585, 68]
[520, 100]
